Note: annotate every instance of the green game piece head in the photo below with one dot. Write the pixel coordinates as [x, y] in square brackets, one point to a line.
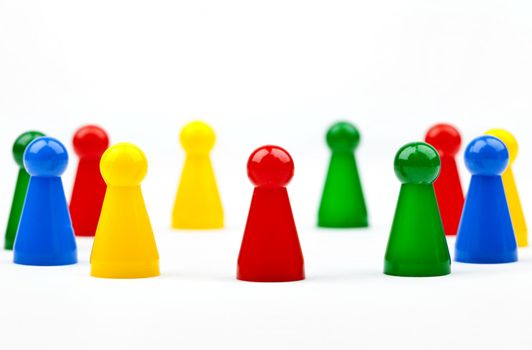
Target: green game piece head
[417, 163]
[21, 143]
[343, 136]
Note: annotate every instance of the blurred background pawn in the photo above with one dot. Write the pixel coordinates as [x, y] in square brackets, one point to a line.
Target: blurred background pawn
[89, 188]
[21, 186]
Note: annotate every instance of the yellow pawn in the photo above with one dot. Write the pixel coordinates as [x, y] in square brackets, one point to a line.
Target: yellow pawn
[512, 196]
[124, 246]
[197, 204]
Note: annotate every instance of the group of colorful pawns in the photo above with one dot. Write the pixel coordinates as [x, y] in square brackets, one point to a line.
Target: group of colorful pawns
[107, 203]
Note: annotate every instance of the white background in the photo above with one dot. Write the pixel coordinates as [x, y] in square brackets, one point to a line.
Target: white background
[265, 72]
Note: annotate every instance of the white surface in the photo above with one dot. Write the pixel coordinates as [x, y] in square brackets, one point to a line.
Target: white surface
[276, 72]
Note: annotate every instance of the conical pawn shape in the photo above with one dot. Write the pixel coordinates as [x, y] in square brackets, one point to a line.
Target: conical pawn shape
[124, 245]
[89, 188]
[342, 203]
[486, 235]
[446, 140]
[417, 246]
[197, 204]
[510, 188]
[45, 236]
[270, 250]
[21, 186]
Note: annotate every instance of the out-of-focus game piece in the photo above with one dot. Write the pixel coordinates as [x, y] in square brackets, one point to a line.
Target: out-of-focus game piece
[45, 236]
[21, 187]
[270, 250]
[486, 234]
[124, 245]
[417, 246]
[342, 203]
[510, 188]
[446, 139]
[89, 188]
[197, 204]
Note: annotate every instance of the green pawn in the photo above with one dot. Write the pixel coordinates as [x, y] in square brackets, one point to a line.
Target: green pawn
[417, 246]
[342, 203]
[20, 189]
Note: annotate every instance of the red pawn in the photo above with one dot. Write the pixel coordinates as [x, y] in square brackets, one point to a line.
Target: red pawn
[89, 188]
[446, 139]
[270, 250]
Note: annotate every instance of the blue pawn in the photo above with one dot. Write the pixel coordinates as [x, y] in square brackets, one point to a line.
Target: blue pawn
[486, 234]
[45, 236]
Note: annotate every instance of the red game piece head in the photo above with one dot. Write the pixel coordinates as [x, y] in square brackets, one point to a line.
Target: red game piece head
[270, 166]
[90, 140]
[445, 138]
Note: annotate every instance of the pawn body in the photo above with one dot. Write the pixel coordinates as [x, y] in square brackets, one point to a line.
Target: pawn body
[45, 236]
[417, 246]
[21, 186]
[510, 188]
[486, 234]
[197, 204]
[89, 188]
[270, 250]
[124, 245]
[446, 140]
[342, 203]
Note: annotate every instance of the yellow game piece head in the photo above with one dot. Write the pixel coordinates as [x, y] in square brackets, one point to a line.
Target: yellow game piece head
[508, 139]
[197, 138]
[123, 164]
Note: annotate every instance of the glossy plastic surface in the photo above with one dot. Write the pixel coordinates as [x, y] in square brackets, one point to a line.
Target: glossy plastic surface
[446, 140]
[21, 186]
[342, 203]
[45, 236]
[510, 188]
[197, 203]
[270, 250]
[486, 235]
[417, 246]
[89, 188]
[124, 245]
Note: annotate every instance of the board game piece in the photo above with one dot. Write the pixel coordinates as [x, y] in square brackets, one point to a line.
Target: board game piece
[270, 250]
[197, 204]
[124, 245]
[417, 246]
[342, 203]
[89, 188]
[45, 236]
[21, 187]
[486, 235]
[446, 139]
[510, 188]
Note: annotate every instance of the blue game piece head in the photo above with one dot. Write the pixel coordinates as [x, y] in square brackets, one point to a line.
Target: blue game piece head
[487, 156]
[45, 156]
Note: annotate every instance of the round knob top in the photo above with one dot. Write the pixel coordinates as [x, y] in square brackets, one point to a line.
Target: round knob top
[445, 138]
[197, 138]
[417, 163]
[21, 143]
[270, 166]
[508, 139]
[123, 164]
[486, 155]
[45, 156]
[90, 141]
[343, 136]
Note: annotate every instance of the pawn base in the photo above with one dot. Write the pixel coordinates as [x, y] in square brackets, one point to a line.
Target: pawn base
[114, 269]
[417, 270]
[270, 278]
[54, 260]
[468, 258]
